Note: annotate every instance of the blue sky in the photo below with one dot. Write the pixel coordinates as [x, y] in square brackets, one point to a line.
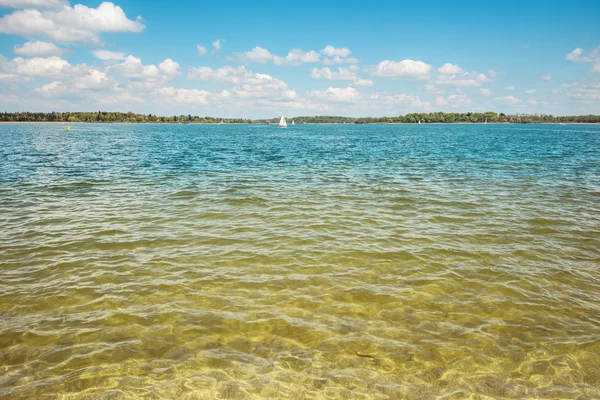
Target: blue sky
[249, 59]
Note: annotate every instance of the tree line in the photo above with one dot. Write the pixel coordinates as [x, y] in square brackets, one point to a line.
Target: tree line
[434, 117]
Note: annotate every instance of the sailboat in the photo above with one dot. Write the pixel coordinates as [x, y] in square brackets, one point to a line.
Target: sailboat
[293, 123]
[419, 121]
[485, 123]
[282, 123]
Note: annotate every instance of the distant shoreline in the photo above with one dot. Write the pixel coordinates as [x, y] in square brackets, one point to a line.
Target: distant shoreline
[308, 123]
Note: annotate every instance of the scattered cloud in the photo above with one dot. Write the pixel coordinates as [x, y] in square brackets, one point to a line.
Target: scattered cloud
[379, 100]
[509, 88]
[342, 74]
[464, 79]
[547, 77]
[432, 89]
[486, 92]
[507, 100]
[532, 102]
[108, 55]
[217, 45]
[405, 69]
[453, 101]
[201, 49]
[169, 67]
[450, 69]
[33, 3]
[530, 91]
[593, 56]
[38, 48]
[296, 57]
[78, 24]
[331, 51]
[344, 95]
[585, 93]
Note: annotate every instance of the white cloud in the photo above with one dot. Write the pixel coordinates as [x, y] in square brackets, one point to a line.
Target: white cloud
[586, 93]
[337, 55]
[532, 102]
[592, 56]
[201, 49]
[507, 100]
[340, 60]
[189, 96]
[575, 55]
[331, 51]
[486, 92]
[354, 68]
[257, 54]
[530, 91]
[453, 101]
[405, 69]
[547, 77]
[432, 89]
[108, 55]
[362, 82]
[392, 100]
[343, 95]
[217, 45]
[297, 57]
[133, 68]
[247, 84]
[78, 24]
[465, 79]
[169, 67]
[493, 73]
[342, 74]
[509, 88]
[38, 48]
[450, 69]
[33, 3]
[50, 67]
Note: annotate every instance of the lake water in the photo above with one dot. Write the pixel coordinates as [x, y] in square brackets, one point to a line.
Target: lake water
[321, 261]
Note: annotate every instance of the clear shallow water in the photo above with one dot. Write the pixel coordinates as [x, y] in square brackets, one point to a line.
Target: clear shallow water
[331, 261]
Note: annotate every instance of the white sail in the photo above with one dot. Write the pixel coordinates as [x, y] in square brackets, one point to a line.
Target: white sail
[293, 123]
[282, 123]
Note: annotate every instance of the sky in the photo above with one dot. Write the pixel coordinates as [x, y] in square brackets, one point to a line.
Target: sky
[261, 59]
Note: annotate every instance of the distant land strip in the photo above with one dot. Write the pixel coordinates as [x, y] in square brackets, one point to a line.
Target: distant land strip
[413, 118]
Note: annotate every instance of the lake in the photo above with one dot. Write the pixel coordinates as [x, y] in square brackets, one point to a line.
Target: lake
[320, 261]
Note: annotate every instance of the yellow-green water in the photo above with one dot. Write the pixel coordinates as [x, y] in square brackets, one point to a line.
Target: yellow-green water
[359, 262]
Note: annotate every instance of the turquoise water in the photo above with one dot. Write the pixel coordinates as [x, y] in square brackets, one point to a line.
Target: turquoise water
[321, 261]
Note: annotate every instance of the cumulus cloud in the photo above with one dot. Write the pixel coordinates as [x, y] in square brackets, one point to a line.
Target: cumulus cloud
[405, 69]
[246, 84]
[331, 51]
[294, 57]
[486, 92]
[593, 56]
[133, 68]
[189, 96]
[342, 95]
[342, 74]
[530, 91]
[38, 48]
[464, 79]
[217, 45]
[108, 55]
[33, 3]
[50, 67]
[78, 24]
[450, 69]
[297, 57]
[169, 67]
[335, 55]
[201, 49]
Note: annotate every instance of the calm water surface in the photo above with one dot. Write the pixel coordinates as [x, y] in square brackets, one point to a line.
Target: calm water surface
[330, 261]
